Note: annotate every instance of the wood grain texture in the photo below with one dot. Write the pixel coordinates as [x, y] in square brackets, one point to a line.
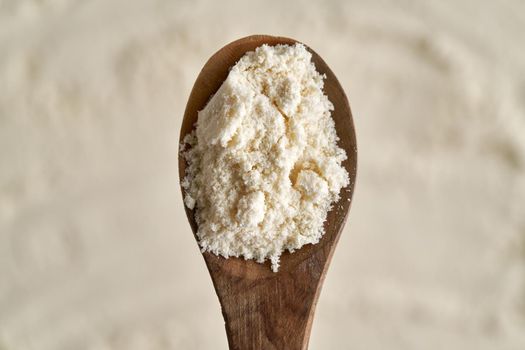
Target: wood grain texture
[263, 309]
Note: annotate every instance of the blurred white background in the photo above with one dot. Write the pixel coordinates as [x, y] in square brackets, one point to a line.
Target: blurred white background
[95, 250]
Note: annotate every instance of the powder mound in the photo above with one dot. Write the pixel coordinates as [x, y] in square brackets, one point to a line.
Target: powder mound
[263, 162]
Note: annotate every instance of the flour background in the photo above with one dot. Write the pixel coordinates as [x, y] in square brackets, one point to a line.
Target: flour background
[95, 251]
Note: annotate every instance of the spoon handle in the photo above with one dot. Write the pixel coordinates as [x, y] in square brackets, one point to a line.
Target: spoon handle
[267, 313]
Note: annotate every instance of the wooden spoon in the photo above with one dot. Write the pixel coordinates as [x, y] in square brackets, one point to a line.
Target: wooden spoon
[262, 309]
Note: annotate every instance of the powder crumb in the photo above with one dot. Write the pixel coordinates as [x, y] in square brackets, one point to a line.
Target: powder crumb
[263, 163]
[251, 208]
[189, 201]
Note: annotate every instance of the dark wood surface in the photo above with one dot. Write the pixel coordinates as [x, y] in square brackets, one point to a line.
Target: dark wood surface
[262, 309]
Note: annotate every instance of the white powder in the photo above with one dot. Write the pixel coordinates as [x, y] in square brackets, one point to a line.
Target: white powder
[263, 162]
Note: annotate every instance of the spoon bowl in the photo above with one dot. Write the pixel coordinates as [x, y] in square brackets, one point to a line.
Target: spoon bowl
[263, 309]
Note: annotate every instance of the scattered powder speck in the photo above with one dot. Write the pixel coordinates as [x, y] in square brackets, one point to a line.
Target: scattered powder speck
[263, 163]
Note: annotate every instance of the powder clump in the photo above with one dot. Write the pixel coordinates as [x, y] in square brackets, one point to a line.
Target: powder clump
[263, 163]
